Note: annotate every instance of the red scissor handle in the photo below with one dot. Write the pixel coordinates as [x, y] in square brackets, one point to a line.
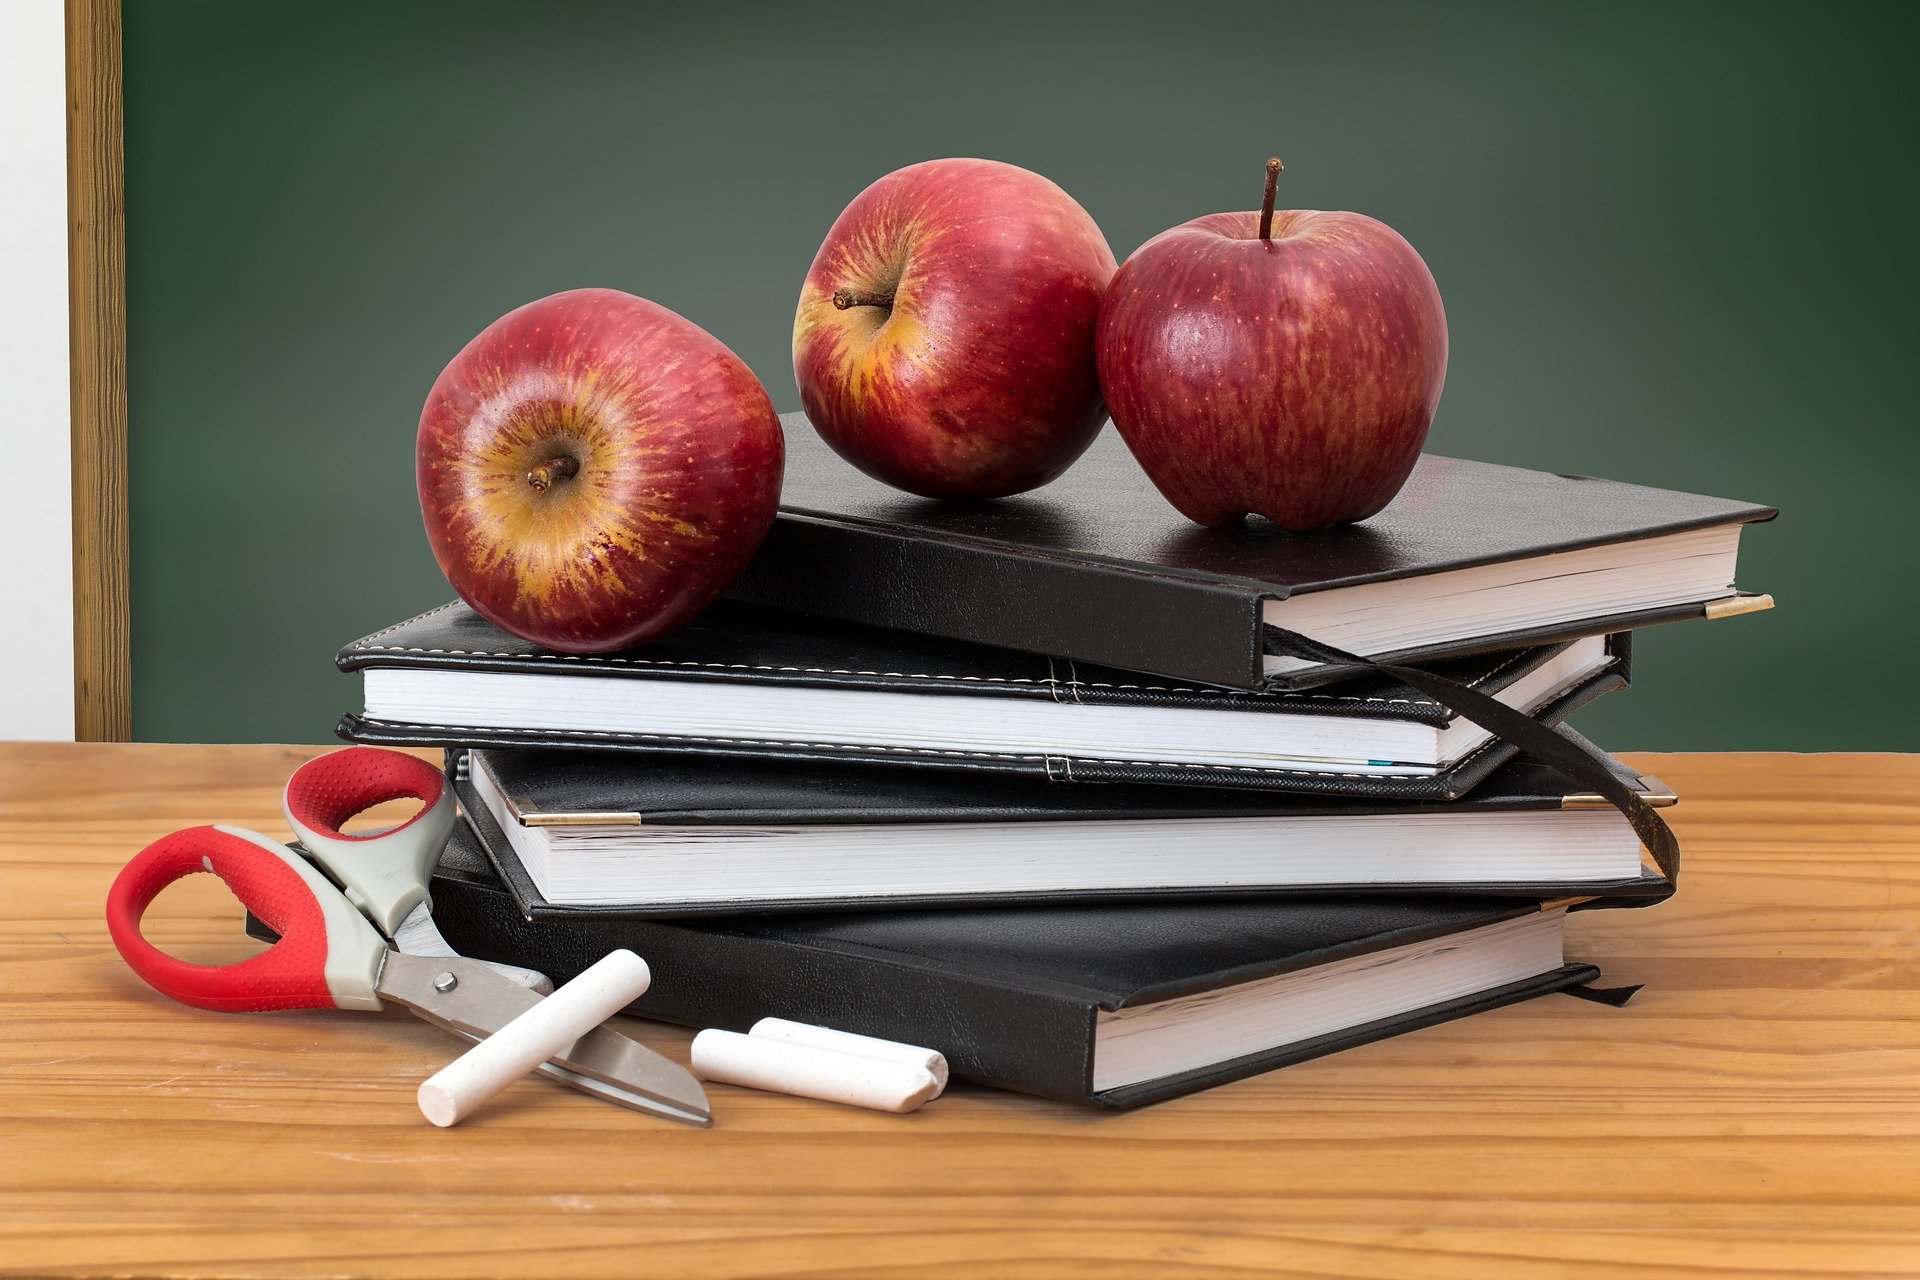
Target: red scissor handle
[327, 790]
[328, 955]
[383, 872]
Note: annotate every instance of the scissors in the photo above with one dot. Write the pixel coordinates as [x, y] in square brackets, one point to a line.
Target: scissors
[363, 934]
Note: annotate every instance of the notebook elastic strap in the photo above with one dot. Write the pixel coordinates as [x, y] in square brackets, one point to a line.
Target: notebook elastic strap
[1546, 745]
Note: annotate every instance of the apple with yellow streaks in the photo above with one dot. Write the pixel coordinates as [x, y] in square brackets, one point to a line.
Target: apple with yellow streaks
[595, 470]
[944, 337]
[1285, 364]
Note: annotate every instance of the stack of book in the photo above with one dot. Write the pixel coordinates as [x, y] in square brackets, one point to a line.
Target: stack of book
[1104, 806]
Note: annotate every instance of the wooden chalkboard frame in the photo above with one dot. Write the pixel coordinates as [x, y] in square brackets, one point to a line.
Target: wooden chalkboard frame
[97, 345]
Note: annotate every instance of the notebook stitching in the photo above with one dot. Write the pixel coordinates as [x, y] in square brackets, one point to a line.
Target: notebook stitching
[366, 641]
[910, 675]
[364, 645]
[1073, 683]
[357, 646]
[562, 735]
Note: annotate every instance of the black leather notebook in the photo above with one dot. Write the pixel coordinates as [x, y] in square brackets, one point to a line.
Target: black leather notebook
[1115, 1005]
[1470, 557]
[751, 682]
[578, 833]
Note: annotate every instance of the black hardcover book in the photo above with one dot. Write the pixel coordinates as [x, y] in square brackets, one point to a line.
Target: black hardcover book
[610, 834]
[1115, 1005]
[745, 681]
[1470, 557]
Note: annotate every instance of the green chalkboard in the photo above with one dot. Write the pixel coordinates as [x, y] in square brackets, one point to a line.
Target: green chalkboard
[1675, 244]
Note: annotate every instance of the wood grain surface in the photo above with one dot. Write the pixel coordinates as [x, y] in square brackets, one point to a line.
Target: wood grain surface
[1755, 1111]
[97, 343]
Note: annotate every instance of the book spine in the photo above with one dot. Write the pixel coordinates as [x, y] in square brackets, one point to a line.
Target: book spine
[1169, 626]
[1024, 1040]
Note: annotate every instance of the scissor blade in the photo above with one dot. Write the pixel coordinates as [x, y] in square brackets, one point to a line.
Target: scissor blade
[480, 1002]
[604, 1090]
[418, 935]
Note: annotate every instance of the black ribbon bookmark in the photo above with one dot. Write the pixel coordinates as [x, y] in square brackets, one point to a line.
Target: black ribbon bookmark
[1612, 997]
[1537, 740]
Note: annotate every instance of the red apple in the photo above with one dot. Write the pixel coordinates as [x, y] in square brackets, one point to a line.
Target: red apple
[944, 339]
[595, 470]
[1290, 372]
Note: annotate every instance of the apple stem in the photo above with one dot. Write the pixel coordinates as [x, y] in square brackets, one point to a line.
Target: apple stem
[1266, 201]
[845, 298]
[562, 467]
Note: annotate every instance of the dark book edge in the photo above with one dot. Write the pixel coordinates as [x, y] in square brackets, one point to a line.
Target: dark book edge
[1041, 1041]
[1738, 512]
[1054, 1030]
[1214, 627]
[523, 775]
[533, 906]
[1059, 1013]
[1159, 1090]
[1447, 785]
[1196, 631]
[465, 642]
[1185, 623]
[1062, 1079]
[506, 866]
[525, 896]
[1614, 624]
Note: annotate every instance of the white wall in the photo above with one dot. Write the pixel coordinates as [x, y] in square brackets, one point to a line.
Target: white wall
[36, 528]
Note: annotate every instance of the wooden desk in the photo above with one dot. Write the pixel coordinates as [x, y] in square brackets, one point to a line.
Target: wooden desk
[1756, 1109]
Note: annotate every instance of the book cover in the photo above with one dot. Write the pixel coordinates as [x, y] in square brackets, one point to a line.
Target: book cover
[756, 657]
[1097, 567]
[1013, 997]
[910, 836]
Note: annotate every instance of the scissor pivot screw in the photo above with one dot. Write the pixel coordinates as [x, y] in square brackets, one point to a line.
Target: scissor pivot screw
[445, 982]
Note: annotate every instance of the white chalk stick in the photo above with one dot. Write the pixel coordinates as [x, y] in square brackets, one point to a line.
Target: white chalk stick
[848, 1042]
[781, 1066]
[610, 985]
